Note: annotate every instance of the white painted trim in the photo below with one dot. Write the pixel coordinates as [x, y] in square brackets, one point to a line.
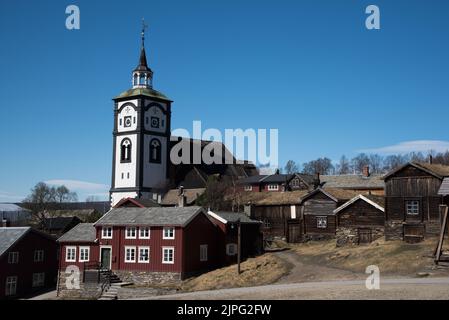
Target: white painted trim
[110, 260]
[359, 197]
[37, 252]
[168, 262]
[293, 211]
[138, 252]
[66, 251]
[149, 233]
[135, 254]
[216, 216]
[107, 237]
[135, 233]
[168, 238]
[79, 253]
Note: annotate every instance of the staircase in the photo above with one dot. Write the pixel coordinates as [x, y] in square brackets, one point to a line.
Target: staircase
[111, 293]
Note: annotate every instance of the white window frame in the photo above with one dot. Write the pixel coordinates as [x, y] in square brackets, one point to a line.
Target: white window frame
[140, 255]
[67, 249]
[172, 249]
[231, 249]
[322, 219]
[144, 229]
[81, 258]
[13, 257]
[38, 279]
[414, 207]
[203, 252]
[273, 187]
[129, 234]
[126, 254]
[38, 255]
[295, 182]
[105, 235]
[11, 282]
[168, 237]
[248, 187]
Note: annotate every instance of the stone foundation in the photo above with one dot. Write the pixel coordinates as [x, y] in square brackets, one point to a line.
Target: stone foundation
[350, 235]
[86, 290]
[148, 278]
[317, 237]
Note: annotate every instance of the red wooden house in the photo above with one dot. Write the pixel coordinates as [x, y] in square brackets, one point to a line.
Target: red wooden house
[251, 235]
[28, 261]
[144, 245]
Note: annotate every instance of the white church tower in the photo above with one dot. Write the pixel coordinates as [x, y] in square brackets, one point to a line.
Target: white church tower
[141, 137]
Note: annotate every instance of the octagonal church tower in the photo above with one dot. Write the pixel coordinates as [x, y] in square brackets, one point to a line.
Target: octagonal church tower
[141, 137]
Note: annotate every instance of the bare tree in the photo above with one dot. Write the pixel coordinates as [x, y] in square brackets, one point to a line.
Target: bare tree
[291, 167]
[43, 198]
[343, 166]
[320, 165]
[359, 162]
[376, 163]
[214, 197]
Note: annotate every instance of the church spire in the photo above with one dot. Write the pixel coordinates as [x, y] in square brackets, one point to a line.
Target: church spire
[142, 74]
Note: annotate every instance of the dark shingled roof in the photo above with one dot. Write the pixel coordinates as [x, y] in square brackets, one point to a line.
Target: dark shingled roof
[83, 232]
[10, 235]
[163, 216]
[444, 188]
[59, 223]
[234, 216]
[336, 193]
[352, 181]
[438, 170]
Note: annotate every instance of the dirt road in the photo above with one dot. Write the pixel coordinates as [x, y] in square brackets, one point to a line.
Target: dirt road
[408, 288]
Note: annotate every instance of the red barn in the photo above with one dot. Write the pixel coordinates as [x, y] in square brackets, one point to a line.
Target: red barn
[28, 261]
[145, 245]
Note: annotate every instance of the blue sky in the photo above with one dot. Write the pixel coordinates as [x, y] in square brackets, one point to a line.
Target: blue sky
[309, 68]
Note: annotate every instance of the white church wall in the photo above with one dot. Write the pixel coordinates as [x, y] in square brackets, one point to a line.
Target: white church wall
[125, 173]
[154, 174]
[117, 196]
[127, 111]
[155, 119]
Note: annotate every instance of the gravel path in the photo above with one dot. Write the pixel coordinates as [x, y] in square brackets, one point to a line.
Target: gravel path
[409, 288]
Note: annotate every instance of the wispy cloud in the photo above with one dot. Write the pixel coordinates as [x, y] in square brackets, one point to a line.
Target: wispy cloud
[79, 185]
[6, 196]
[411, 146]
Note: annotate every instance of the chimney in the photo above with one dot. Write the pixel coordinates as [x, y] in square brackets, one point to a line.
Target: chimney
[181, 197]
[5, 223]
[366, 172]
[316, 182]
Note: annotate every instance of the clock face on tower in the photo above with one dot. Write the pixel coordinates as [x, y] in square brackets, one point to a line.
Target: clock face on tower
[127, 122]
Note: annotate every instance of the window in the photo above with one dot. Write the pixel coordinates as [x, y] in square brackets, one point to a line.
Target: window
[106, 233]
[155, 151]
[321, 222]
[130, 233]
[11, 286]
[38, 279]
[130, 254]
[169, 233]
[295, 183]
[38, 255]
[144, 254]
[70, 254]
[273, 187]
[84, 254]
[231, 249]
[249, 188]
[412, 207]
[13, 257]
[168, 255]
[144, 233]
[267, 223]
[125, 151]
[203, 252]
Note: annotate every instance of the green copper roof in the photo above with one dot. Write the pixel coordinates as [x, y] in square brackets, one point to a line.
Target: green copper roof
[142, 92]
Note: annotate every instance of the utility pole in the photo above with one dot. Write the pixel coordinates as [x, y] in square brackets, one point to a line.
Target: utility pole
[239, 244]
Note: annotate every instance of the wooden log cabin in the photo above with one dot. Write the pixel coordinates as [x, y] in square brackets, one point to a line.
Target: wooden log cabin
[320, 221]
[280, 212]
[412, 201]
[361, 220]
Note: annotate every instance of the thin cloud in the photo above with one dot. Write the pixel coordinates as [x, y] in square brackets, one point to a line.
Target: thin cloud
[423, 146]
[79, 185]
[7, 196]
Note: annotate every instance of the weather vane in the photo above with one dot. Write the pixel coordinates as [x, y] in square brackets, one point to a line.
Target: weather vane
[144, 27]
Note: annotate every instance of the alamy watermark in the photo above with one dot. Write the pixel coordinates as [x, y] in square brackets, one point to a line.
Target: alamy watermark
[257, 146]
[373, 280]
[72, 22]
